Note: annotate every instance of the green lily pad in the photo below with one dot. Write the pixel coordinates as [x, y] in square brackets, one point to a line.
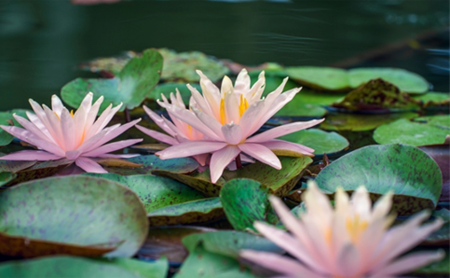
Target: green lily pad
[167, 88]
[64, 214]
[319, 140]
[109, 64]
[15, 166]
[279, 182]
[418, 132]
[6, 177]
[244, 201]
[181, 66]
[414, 177]
[152, 162]
[307, 96]
[167, 242]
[42, 169]
[6, 118]
[204, 210]
[297, 109]
[440, 237]
[230, 243]
[203, 264]
[406, 81]
[322, 78]
[377, 96]
[361, 122]
[155, 192]
[434, 100]
[441, 121]
[70, 267]
[130, 87]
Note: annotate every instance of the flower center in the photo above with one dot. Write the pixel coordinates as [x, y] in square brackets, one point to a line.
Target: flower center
[243, 106]
[355, 227]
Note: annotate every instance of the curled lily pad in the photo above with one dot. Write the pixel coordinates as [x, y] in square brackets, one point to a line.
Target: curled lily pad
[69, 267]
[322, 78]
[15, 166]
[435, 100]
[51, 215]
[406, 81]
[155, 192]
[319, 140]
[203, 210]
[130, 87]
[41, 170]
[419, 132]
[279, 182]
[414, 177]
[152, 162]
[361, 122]
[181, 66]
[377, 96]
[244, 202]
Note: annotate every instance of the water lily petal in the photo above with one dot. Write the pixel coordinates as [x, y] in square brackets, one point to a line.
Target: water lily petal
[33, 128]
[158, 135]
[261, 153]
[68, 130]
[92, 114]
[200, 101]
[159, 121]
[190, 148]
[112, 147]
[283, 130]
[288, 146]
[211, 93]
[232, 133]
[29, 155]
[242, 83]
[57, 105]
[220, 159]
[103, 120]
[90, 165]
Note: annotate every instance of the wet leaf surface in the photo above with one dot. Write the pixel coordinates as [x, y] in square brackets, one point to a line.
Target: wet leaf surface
[413, 176]
[434, 100]
[130, 87]
[406, 81]
[78, 210]
[441, 154]
[322, 78]
[361, 122]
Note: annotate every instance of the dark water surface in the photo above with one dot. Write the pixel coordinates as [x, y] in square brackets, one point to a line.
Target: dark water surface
[42, 41]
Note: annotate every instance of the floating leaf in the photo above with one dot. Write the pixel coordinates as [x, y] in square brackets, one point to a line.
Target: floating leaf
[413, 176]
[197, 211]
[416, 132]
[41, 170]
[6, 177]
[279, 182]
[6, 118]
[166, 241]
[203, 264]
[50, 216]
[152, 162]
[181, 66]
[109, 64]
[167, 88]
[15, 166]
[440, 237]
[230, 243]
[155, 192]
[361, 122]
[319, 98]
[244, 201]
[296, 109]
[377, 96]
[69, 267]
[130, 87]
[434, 100]
[322, 78]
[406, 81]
[319, 140]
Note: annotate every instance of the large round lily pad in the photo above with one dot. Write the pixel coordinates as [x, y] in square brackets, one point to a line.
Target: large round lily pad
[130, 87]
[155, 192]
[76, 210]
[406, 81]
[414, 177]
[319, 140]
[419, 132]
[71, 267]
[361, 122]
[322, 78]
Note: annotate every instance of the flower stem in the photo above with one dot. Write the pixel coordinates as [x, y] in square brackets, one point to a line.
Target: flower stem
[238, 161]
[127, 115]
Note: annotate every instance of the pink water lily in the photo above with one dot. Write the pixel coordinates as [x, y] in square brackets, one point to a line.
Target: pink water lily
[228, 119]
[78, 137]
[351, 241]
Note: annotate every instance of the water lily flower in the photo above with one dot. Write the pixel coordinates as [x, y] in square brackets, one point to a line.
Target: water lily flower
[228, 119]
[351, 241]
[77, 137]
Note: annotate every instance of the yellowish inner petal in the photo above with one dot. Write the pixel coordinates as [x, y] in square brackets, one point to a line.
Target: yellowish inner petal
[243, 105]
[355, 227]
[222, 111]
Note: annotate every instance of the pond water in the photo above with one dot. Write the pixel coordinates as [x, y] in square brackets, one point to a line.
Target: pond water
[42, 41]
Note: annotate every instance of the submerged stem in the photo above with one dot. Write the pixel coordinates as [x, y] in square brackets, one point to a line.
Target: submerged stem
[238, 161]
[127, 115]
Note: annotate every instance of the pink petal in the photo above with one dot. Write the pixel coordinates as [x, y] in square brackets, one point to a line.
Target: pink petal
[158, 135]
[281, 264]
[282, 130]
[408, 263]
[103, 120]
[33, 139]
[57, 105]
[232, 112]
[89, 165]
[54, 126]
[68, 130]
[92, 114]
[200, 101]
[33, 128]
[190, 148]
[158, 120]
[220, 159]
[261, 153]
[232, 133]
[209, 121]
[273, 106]
[289, 146]
[348, 261]
[211, 93]
[248, 122]
[112, 147]
[242, 83]
[28, 155]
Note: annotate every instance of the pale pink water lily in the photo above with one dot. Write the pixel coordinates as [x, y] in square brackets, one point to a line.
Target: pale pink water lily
[351, 241]
[229, 117]
[60, 134]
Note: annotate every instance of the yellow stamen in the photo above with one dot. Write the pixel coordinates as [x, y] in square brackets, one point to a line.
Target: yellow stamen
[222, 111]
[57, 116]
[71, 113]
[243, 105]
[355, 227]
